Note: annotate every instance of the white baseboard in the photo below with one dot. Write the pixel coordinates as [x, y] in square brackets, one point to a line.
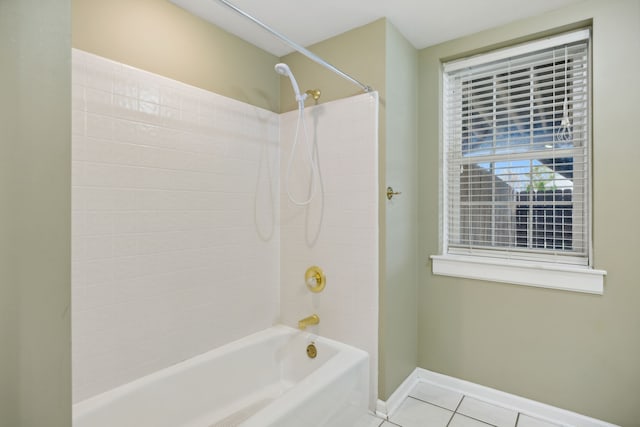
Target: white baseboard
[384, 408]
[381, 409]
[506, 400]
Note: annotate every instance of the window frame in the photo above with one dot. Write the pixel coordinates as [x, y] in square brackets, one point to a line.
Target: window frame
[497, 265]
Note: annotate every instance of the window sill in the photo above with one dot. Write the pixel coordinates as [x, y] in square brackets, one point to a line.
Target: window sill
[539, 274]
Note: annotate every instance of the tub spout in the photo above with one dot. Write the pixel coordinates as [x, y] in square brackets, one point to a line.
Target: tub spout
[308, 321]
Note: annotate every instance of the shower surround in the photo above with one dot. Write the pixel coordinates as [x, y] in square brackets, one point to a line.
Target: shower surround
[182, 241]
[175, 222]
[338, 230]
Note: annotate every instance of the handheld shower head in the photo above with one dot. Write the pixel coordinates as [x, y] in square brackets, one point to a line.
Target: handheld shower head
[283, 69]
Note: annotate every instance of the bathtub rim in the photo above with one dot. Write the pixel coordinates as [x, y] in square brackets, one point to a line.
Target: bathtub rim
[88, 405]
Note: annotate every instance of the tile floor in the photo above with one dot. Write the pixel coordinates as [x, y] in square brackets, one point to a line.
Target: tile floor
[431, 406]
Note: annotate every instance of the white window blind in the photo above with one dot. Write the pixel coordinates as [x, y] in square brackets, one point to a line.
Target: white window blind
[516, 139]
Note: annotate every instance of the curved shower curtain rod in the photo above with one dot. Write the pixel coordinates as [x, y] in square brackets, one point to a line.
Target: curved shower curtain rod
[312, 56]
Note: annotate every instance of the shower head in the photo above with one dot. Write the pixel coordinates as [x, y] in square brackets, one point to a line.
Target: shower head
[284, 70]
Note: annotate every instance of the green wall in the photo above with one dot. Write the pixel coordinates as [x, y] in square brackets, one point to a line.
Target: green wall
[160, 37]
[399, 290]
[575, 351]
[35, 131]
[9, 134]
[359, 53]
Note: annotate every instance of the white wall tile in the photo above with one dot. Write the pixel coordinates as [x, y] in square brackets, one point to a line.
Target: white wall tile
[338, 231]
[159, 211]
[99, 126]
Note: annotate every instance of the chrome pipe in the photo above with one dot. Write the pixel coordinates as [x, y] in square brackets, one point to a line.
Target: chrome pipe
[312, 56]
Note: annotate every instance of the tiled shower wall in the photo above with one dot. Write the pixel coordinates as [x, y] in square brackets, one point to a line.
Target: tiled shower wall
[175, 222]
[178, 240]
[338, 230]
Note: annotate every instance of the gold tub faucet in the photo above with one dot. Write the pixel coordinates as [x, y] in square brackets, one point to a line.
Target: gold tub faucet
[308, 321]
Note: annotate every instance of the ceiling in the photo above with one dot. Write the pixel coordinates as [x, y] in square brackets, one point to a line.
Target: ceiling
[423, 22]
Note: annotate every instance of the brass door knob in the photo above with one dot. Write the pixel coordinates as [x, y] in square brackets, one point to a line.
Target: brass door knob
[391, 193]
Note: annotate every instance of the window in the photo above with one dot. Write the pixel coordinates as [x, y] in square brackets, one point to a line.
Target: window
[517, 165]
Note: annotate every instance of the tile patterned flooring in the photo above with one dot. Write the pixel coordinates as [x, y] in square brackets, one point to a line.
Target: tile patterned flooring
[431, 406]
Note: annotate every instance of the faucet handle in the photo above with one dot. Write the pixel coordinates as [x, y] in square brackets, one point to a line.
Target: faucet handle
[315, 279]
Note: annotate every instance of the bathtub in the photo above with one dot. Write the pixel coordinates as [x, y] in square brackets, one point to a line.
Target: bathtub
[265, 379]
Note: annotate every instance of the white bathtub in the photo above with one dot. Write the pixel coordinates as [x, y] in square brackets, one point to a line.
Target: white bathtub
[265, 379]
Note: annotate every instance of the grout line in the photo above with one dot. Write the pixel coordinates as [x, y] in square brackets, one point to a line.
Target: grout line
[455, 411]
[430, 403]
[469, 416]
[476, 419]
[459, 404]
[389, 422]
[453, 414]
